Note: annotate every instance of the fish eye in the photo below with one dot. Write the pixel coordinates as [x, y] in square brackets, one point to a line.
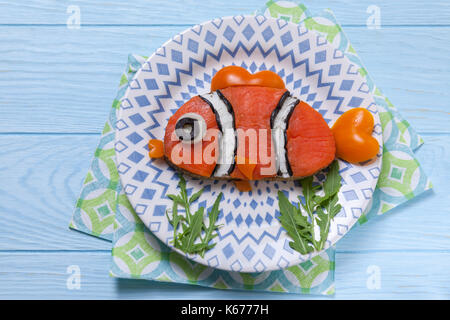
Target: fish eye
[190, 128]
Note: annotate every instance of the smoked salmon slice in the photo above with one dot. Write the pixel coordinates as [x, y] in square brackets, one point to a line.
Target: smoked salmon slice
[248, 131]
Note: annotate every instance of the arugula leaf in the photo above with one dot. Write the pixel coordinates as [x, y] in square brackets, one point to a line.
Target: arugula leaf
[319, 211]
[175, 198]
[213, 215]
[195, 196]
[332, 183]
[183, 191]
[290, 219]
[324, 219]
[194, 231]
[176, 218]
[182, 184]
[308, 194]
[190, 238]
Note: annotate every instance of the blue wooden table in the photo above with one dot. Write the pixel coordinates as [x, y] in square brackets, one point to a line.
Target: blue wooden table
[57, 83]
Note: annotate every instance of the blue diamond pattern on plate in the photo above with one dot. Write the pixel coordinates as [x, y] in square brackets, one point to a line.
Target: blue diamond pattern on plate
[251, 238]
[177, 56]
[229, 34]
[248, 253]
[248, 32]
[267, 34]
[286, 38]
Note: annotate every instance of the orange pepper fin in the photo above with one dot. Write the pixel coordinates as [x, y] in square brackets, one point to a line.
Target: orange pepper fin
[232, 76]
[156, 148]
[245, 167]
[353, 136]
[243, 185]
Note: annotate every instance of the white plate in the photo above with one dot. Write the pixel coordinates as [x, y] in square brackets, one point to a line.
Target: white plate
[252, 239]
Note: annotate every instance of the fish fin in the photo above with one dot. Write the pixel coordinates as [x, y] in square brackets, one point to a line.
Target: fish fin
[243, 185]
[156, 148]
[245, 167]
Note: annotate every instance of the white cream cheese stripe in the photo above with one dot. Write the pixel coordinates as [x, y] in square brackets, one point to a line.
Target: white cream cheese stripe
[227, 140]
[279, 138]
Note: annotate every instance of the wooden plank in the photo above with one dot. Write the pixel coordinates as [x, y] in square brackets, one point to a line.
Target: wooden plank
[43, 175]
[403, 274]
[58, 80]
[192, 12]
[41, 179]
[66, 79]
[44, 275]
[65, 74]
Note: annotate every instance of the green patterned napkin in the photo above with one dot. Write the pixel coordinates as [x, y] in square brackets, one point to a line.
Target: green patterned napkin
[103, 209]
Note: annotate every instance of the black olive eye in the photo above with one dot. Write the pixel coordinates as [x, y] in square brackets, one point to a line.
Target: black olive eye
[186, 129]
[190, 128]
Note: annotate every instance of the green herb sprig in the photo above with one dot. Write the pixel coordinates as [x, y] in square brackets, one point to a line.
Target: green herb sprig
[300, 221]
[190, 239]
